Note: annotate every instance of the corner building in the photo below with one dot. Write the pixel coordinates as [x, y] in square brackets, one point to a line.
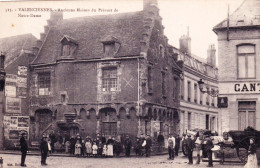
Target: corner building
[197, 110]
[239, 59]
[111, 74]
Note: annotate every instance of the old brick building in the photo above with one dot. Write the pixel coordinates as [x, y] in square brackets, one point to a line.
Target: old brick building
[239, 58]
[111, 74]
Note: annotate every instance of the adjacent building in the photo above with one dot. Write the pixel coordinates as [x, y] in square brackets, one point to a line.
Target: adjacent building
[111, 74]
[239, 77]
[198, 110]
[18, 54]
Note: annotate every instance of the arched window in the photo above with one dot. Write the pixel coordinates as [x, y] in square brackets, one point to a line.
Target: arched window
[246, 61]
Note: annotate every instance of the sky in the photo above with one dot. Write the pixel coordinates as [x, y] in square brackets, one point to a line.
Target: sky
[199, 16]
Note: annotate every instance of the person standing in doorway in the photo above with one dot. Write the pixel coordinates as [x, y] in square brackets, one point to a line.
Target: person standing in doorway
[44, 150]
[171, 145]
[24, 149]
[190, 146]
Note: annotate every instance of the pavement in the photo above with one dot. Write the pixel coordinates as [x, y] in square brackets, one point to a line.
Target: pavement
[12, 160]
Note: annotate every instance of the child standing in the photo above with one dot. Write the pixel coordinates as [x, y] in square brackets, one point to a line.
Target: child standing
[100, 149]
[83, 148]
[88, 147]
[78, 148]
[104, 152]
[95, 149]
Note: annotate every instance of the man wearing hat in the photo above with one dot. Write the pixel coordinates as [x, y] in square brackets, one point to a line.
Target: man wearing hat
[190, 146]
[24, 148]
[44, 150]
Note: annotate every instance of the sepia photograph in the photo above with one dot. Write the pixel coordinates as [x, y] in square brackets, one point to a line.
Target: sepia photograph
[138, 84]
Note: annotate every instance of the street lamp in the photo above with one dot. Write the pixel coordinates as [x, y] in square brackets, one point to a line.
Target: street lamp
[213, 93]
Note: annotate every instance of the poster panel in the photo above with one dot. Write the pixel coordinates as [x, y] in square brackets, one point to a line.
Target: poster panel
[22, 71]
[13, 105]
[14, 126]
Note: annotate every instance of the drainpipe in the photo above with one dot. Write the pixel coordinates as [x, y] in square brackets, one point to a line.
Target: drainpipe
[138, 96]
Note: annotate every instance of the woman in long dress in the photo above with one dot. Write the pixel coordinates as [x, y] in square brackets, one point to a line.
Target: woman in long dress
[252, 159]
[110, 144]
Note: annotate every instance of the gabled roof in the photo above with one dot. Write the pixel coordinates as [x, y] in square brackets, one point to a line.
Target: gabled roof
[89, 31]
[68, 39]
[248, 14]
[15, 45]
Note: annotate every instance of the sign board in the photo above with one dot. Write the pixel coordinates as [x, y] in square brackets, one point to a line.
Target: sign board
[239, 88]
[222, 102]
[10, 91]
[13, 105]
[22, 82]
[21, 92]
[22, 71]
[14, 126]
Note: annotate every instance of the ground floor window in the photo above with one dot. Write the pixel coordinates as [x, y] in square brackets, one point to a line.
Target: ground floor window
[207, 121]
[109, 128]
[246, 114]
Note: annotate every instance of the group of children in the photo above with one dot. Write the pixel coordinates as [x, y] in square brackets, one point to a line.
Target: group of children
[95, 148]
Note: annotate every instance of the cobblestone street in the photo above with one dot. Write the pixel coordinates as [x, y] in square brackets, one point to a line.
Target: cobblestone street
[133, 162]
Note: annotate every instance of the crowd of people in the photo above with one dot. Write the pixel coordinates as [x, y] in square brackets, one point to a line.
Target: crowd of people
[101, 147]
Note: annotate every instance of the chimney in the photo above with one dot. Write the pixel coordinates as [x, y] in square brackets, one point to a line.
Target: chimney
[211, 55]
[185, 44]
[151, 7]
[54, 18]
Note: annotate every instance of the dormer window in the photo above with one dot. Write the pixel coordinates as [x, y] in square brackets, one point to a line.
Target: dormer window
[111, 46]
[109, 49]
[69, 46]
[66, 50]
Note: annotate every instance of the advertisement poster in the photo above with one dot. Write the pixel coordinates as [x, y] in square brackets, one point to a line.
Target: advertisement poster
[13, 105]
[14, 126]
[22, 71]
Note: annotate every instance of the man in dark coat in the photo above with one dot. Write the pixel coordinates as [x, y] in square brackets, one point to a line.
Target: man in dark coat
[44, 150]
[148, 146]
[24, 148]
[177, 144]
[208, 146]
[128, 145]
[190, 146]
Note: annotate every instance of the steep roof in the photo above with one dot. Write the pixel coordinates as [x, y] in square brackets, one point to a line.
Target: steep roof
[13, 46]
[248, 14]
[89, 31]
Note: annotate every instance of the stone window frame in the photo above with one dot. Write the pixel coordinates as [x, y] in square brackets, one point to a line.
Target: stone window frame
[149, 79]
[110, 79]
[246, 55]
[44, 82]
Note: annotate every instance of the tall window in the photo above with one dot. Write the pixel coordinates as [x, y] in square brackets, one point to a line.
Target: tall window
[109, 79]
[189, 90]
[246, 61]
[161, 50]
[189, 121]
[201, 97]
[163, 84]
[174, 89]
[150, 86]
[207, 99]
[109, 128]
[212, 98]
[44, 83]
[246, 114]
[195, 92]
[207, 121]
[182, 88]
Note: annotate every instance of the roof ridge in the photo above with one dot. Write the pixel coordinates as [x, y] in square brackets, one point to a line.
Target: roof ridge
[105, 15]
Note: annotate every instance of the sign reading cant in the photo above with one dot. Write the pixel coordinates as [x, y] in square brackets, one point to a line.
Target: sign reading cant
[247, 87]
